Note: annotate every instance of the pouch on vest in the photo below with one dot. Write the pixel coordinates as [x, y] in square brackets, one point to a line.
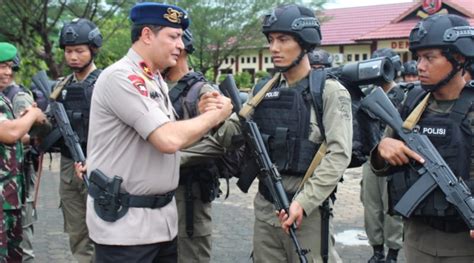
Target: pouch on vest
[106, 194]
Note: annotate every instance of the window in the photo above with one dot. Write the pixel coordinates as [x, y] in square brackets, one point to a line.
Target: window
[232, 61]
[364, 56]
[248, 59]
[242, 60]
[266, 59]
[357, 57]
[254, 60]
[227, 61]
[349, 57]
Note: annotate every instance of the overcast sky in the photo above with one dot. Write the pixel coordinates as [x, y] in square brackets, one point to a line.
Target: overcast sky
[351, 3]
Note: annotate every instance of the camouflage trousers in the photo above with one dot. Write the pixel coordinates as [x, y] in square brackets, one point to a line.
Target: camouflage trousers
[11, 236]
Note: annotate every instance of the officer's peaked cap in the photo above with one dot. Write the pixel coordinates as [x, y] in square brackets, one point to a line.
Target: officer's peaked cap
[148, 13]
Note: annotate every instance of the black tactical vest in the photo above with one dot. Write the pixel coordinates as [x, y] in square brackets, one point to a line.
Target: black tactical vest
[185, 95]
[283, 117]
[76, 98]
[451, 134]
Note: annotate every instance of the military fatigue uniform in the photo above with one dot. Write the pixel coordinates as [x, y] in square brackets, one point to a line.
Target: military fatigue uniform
[197, 247]
[73, 194]
[422, 242]
[270, 243]
[20, 101]
[12, 189]
[130, 102]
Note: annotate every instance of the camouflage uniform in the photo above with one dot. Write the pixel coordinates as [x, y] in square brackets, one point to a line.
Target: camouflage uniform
[21, 99]
[12, 189]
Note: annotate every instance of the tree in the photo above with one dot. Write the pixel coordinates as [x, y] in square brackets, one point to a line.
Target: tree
[223, 28]
[34, 25]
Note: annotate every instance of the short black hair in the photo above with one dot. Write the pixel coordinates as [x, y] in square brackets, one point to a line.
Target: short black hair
[137, 31]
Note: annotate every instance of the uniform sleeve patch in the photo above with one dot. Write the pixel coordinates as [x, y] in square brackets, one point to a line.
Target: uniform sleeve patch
[139, 84]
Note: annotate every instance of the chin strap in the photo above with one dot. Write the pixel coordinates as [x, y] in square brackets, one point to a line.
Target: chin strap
[456, 68]
[81, 69]
[294, 63]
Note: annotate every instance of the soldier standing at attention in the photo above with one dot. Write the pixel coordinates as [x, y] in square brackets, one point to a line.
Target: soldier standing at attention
[80, 39]
[435, 232]
[14, 131]
[135, 142]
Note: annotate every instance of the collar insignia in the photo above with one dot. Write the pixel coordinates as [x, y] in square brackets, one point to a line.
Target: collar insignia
[146, 70]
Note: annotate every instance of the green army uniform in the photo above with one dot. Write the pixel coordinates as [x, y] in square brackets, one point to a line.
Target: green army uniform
[12, 189]
[20, 102]
[270, 243]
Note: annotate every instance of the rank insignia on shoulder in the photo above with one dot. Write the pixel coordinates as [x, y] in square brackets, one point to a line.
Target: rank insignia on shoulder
[272, 95]
[146, 70]
[139, 84]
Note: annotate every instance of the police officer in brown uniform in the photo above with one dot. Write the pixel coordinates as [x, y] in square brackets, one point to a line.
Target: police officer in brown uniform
[135, 141]
[435, 232]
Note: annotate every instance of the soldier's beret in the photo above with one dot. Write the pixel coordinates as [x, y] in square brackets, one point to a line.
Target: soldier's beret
[7, 52]
[148, 13]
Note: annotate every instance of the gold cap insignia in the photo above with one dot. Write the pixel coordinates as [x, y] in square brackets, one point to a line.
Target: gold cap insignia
[174, 16]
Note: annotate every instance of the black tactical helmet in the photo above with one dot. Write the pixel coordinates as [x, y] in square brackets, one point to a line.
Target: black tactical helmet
[392, 55]
[296, 20]
[188, 41]
[78, 32]
[409, 68]
[443, 31]
[320, 57]
[16, 62]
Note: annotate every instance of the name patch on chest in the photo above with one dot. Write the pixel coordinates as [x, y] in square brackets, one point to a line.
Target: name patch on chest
[139, 84]
[436, 131]
[272, 95]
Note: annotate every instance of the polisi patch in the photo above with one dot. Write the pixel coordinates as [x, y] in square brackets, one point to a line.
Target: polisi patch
[272, 95]
[437, 131]
[139, 84]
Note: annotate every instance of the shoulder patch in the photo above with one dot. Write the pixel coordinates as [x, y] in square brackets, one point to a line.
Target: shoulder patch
[139, 84]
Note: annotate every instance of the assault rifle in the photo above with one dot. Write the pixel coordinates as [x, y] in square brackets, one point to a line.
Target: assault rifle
[434, 172]
[267, 170]
[70, 137]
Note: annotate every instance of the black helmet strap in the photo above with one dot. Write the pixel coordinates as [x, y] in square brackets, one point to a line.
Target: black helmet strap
[294, 63]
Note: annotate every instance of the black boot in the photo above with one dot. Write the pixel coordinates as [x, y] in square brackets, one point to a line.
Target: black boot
[392, 256]
[379, 255]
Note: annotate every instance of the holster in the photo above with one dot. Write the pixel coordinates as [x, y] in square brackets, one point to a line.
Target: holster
[111, 204]
[106, 194]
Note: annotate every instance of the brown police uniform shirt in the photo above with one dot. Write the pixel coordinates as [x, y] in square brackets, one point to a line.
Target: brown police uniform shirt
[129, 102]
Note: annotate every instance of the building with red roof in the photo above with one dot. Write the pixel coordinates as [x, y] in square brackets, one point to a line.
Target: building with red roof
[353, 34]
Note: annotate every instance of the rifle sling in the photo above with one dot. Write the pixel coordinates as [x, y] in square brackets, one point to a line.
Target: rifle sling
[415, 115]
[248, 108]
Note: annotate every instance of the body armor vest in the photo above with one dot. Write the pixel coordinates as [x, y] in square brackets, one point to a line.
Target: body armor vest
[76, 97]
[185, 95]
[283, 117]
[451, 134]
[12, 90]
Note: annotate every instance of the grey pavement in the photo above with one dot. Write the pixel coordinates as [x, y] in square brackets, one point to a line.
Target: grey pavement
[233, 222]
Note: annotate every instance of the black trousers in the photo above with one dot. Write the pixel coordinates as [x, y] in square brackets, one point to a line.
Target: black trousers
[164, 252]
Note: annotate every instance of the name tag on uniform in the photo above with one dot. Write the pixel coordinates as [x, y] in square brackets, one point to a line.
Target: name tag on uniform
[272, 95]
[434, 131]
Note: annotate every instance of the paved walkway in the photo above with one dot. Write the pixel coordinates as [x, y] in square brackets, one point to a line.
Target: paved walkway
[233, 222]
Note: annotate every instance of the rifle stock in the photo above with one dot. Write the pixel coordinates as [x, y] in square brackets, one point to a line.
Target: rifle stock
[434, 172]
